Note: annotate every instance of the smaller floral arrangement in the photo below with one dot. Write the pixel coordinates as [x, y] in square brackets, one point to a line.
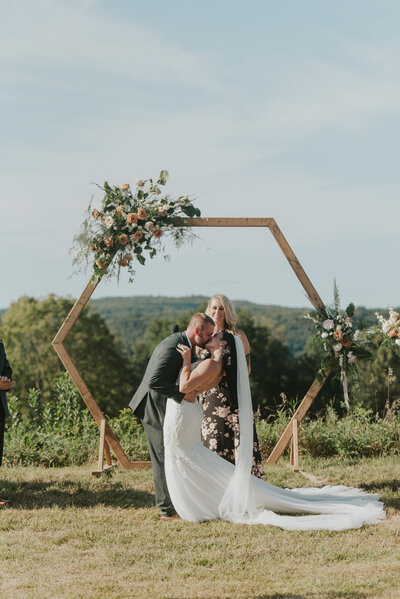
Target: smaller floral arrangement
[339, 342]
[390, 328]
[130, 223]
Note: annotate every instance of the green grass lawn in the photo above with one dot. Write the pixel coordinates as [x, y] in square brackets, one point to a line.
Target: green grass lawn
[70, 535]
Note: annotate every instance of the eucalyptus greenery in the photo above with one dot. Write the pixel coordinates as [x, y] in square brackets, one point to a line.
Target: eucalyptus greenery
[129, 225]
[339, 345]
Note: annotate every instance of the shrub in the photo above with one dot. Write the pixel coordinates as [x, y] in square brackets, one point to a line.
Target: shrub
[64, 433]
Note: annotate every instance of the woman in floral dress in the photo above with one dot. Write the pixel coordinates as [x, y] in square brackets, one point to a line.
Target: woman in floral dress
[220, 427]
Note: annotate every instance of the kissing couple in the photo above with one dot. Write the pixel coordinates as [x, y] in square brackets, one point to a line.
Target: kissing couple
[194, 483]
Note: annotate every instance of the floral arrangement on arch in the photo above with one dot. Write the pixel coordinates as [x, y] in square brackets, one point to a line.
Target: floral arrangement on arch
[390, 328]
[130, 223]
[339, 342]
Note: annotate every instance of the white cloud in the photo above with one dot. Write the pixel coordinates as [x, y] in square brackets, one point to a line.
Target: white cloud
[51, 34]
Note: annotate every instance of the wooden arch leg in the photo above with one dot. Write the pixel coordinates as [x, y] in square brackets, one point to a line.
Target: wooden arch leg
[103, 448]
[298, 416]
[294, 448]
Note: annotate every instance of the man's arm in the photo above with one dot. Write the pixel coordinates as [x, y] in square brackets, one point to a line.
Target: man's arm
[163, 379]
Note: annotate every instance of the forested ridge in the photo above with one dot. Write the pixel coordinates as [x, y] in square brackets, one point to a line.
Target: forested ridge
[129, 317]
[113, 339]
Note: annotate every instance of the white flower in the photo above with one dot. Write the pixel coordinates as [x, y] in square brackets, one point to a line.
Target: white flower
[397, 342]
[108, 221]
[339, 327]
[328, 324]
[324, 335]
[337, 347]
[386, 326]
[351, 358]
[356, 334]
[149, 225]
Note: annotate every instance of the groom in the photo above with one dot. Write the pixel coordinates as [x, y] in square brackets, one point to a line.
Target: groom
[159, 383]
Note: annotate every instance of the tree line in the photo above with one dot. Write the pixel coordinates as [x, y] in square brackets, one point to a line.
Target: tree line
[113, 368]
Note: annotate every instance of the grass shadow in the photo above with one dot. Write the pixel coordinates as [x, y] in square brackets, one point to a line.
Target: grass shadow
[328, 595]
[392, 486]
[70, 493]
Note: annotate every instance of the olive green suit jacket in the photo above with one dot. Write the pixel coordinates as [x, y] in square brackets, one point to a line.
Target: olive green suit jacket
[159, 382]
[5, 370]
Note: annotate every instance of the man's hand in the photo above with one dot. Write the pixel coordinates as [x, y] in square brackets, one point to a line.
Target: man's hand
[190, 397]
[5, 383]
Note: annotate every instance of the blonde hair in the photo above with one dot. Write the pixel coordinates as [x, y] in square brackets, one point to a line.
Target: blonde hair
[230, 313]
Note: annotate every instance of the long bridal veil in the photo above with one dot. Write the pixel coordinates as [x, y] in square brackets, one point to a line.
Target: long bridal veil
[249, 500]
[239, 500]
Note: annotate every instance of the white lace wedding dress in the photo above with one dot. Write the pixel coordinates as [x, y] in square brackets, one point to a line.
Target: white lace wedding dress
[204, 486]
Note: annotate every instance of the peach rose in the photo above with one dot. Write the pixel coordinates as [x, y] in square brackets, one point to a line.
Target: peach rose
[119, 210]
[136, 236]
[157, 232]
[338, 335]
[346, 342]
[95, 213]
[392, 333]
[122, 262]
[108, 241]
[128, 257]
[132, 218]
[123, 239]
[100, 264]
[149, 225]
[142, 214]
[398, 334]
[125, 186]
[140, 182]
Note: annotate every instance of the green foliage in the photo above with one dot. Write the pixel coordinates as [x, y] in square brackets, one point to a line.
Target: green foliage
[357, 434]
[64, 433]
[28, 327]
[379, 380]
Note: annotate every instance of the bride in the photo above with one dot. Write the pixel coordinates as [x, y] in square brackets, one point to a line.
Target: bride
[204, 486]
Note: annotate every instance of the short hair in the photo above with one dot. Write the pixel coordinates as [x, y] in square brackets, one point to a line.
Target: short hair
[230, 312]
[200, 320]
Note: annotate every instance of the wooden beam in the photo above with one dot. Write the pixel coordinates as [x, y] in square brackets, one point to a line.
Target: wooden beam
[75, 312]
[226, 222]
[298, 415]
[296, 266]
[294, 452]
[270, 223]
[91, 403]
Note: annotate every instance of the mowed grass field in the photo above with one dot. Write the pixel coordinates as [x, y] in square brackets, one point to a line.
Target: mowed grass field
[70, 535]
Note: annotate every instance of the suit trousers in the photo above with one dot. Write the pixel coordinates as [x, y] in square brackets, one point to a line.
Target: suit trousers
[2, 427]
[155, 439]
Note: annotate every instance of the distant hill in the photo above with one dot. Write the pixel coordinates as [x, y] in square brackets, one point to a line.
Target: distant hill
[130, 316]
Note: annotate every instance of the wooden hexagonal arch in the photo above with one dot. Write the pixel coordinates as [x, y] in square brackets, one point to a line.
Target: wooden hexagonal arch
[107, 437]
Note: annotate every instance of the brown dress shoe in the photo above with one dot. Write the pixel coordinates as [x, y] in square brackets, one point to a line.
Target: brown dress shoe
[170, 518]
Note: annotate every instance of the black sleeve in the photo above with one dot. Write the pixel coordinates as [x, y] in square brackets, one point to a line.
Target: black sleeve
[164, 376]
[6, 371]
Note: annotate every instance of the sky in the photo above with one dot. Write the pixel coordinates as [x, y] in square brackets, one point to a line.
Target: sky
[288, 110]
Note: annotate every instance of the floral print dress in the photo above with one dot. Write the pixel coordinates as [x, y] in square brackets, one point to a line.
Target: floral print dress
[220, 430]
